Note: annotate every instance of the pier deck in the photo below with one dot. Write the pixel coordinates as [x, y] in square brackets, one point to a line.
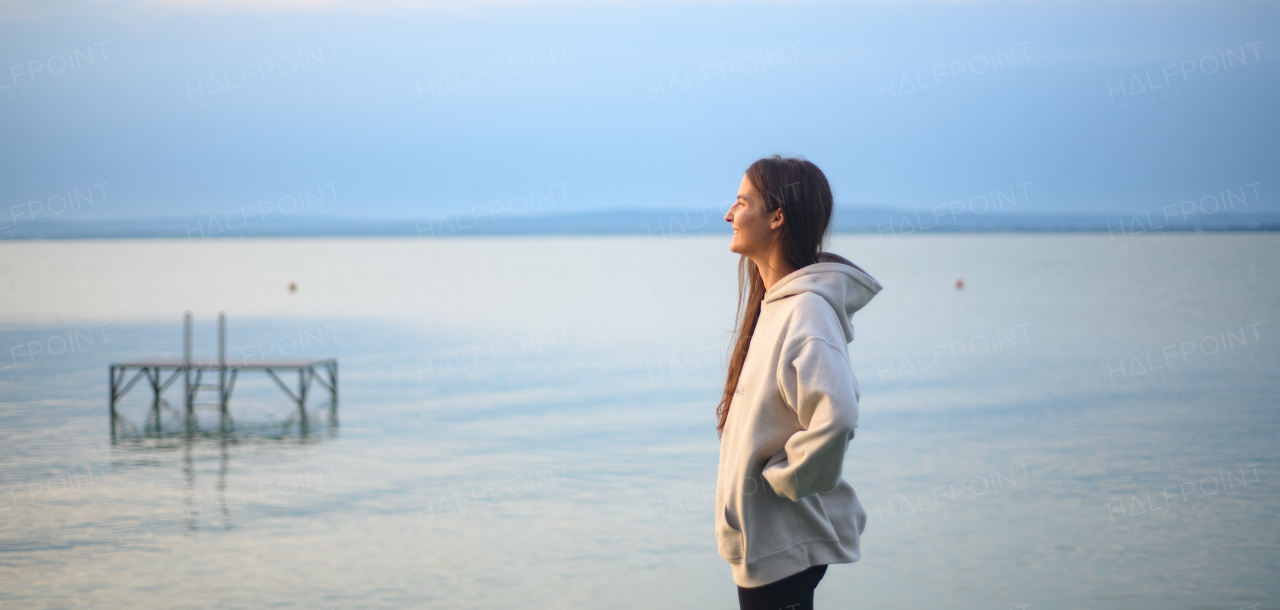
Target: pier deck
[162, 373]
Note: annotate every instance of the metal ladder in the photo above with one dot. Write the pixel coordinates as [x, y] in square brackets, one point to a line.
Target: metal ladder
[226, 383]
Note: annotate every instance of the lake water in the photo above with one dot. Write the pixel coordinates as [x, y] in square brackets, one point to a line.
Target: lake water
[1090, 422]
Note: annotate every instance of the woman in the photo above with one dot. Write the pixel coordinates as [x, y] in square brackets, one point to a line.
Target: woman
[790, 403]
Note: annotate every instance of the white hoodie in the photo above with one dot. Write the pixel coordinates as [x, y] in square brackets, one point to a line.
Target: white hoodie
[781, 505]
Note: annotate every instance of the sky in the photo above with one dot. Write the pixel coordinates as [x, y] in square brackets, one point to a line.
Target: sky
[399, 110]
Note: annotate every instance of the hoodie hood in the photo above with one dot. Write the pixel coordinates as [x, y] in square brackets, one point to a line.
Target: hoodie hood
[844, 285]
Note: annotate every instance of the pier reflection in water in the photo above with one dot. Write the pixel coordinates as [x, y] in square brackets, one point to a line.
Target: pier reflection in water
[192, 442]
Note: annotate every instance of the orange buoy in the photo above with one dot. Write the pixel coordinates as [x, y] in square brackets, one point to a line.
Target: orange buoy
[959, 283]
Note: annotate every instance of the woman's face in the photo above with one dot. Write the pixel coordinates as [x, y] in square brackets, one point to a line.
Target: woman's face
[754, 229]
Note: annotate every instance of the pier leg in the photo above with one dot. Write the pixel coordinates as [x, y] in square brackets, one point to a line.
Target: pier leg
[153, 375]
[333, 392]
[222, 362]
[111, 384]
[302, 392]
[186, 363]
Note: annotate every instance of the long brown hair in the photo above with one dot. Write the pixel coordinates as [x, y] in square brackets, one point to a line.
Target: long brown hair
[801, 190]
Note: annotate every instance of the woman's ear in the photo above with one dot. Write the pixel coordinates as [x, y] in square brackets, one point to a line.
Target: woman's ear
[777, 220]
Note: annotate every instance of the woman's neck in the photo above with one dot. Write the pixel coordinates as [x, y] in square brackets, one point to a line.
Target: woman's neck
[775, 269]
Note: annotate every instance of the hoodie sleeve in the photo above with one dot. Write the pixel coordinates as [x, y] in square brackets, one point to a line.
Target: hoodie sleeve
[816, 381]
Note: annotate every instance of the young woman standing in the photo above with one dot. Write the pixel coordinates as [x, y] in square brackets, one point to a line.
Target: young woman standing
[790, 403]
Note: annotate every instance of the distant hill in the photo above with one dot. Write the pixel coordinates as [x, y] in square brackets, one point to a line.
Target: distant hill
[655, 223]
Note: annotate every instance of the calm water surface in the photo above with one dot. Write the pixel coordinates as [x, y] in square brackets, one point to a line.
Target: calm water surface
[529, 423]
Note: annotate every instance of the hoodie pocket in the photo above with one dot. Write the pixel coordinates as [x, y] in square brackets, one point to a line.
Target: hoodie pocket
[845, 512]
[731, 540]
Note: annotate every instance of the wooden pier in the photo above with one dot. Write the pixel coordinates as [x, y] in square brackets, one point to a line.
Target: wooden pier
[193, 372]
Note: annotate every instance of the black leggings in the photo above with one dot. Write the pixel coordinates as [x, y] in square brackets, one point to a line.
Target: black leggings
[794, 592]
